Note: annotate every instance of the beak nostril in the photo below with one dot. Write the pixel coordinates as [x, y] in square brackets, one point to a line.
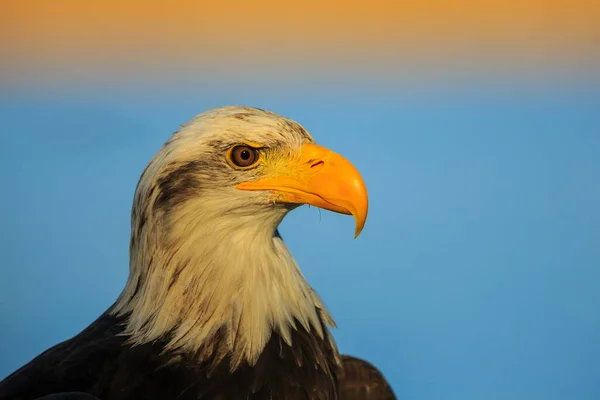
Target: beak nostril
[316, 163]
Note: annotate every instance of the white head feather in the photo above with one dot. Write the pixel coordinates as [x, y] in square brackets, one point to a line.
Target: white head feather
[206, 258]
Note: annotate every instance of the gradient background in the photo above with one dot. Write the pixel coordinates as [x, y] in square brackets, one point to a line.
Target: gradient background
[476, 126]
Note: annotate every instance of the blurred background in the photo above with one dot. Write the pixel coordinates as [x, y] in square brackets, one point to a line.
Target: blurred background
[476, 126]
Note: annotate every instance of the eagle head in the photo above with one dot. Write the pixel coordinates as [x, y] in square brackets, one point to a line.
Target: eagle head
[206, 259]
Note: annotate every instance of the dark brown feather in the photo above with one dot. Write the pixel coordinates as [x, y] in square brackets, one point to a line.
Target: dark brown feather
[99, 361]
[362, 381]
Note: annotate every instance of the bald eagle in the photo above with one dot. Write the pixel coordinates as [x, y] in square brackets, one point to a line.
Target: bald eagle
[215, 307]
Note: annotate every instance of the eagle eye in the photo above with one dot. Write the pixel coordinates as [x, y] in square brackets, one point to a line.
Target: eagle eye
[243, 156]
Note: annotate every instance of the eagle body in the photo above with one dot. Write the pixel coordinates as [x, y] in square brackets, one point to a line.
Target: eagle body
[98, 362]
[215, 306]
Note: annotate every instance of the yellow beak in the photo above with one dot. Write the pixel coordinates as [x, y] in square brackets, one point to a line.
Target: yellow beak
[318, 177]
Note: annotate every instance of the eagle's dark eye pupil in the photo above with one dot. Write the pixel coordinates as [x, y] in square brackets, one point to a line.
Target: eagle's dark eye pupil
[243, 156]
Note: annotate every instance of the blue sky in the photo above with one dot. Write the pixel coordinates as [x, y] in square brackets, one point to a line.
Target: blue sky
[476, 275]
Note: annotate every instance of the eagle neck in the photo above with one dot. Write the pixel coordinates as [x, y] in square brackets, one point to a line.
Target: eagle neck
[214, 288]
